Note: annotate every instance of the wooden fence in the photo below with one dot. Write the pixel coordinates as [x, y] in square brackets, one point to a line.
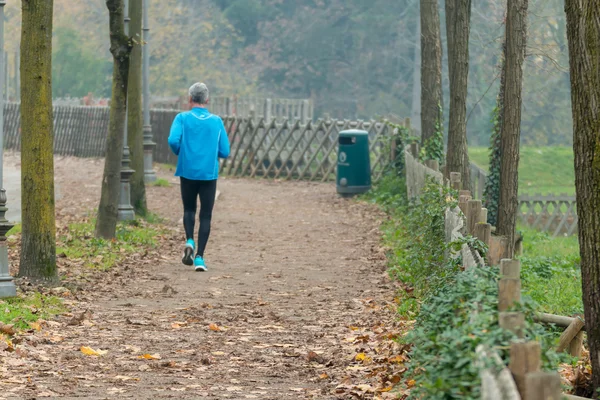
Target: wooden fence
[522, 378]
[247, 106]
[555, 214]
[287, 149]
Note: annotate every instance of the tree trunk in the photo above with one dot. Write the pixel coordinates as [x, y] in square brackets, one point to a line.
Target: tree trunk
[492, 183]
[135, 132]
[431, 74]
[583, 33]
[458, 18]
[120, 48]
[415, 114]
[516, 39]
[38, 251]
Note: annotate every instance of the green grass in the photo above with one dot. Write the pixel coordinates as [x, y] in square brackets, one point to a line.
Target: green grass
[14, 230]
[542, 170]
[22, 310]
[161, 182]
[80, 243]
[551, 273]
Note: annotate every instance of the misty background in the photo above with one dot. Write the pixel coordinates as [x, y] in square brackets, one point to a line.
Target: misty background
[353, 58]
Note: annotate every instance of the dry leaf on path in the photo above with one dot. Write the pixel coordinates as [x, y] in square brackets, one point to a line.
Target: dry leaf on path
[215, 327]
[150, 356]
[91, 352]
[7, 329]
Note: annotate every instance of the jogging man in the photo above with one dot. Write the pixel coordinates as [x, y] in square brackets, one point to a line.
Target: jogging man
[199, 139]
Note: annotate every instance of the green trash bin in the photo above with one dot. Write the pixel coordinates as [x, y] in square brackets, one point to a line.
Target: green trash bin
[354, 164]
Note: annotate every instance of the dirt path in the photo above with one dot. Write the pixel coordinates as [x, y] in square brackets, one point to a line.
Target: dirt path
[296, 289]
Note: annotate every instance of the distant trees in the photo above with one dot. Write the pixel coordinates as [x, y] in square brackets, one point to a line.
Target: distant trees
[38, 243]
[583, 30]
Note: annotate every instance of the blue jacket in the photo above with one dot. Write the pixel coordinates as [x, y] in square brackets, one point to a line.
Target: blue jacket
[199, 139]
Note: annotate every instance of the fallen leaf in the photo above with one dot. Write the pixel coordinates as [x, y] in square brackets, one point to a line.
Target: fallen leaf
[323, 376]
[91, 352]
[360, 357]
[35, 325]
[214, 327]
[150, 356]
[411, 383]
[7, 329]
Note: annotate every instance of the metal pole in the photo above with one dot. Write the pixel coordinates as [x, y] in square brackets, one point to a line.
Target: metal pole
[125, 211]
[149, 174]
[7, 286]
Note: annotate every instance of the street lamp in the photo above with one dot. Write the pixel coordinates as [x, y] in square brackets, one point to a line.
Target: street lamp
[149, 174]
[125, 211]
[7, 286]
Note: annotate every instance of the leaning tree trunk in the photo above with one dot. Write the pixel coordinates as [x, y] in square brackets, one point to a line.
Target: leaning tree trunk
[458, 18]
[516, 39]
[120, 47]
[38, 245]
[583, 32]
[431, 80]
[134, 110]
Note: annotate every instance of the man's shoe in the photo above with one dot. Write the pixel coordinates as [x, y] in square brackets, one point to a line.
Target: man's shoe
[188, 253]
[199, 264]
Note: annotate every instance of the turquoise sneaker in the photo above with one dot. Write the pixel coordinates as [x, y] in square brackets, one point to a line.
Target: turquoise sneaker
[199, 264]
[188, 253]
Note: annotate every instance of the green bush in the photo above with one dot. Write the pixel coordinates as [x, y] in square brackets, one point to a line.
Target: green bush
[451, 324]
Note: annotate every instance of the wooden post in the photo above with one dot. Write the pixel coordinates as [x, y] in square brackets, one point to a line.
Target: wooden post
[473, 212]
[576, 345]
[433, 164]
[525, 358]
[569, 334]
[455, 180]
[483, 216]
[542, 386]
[305, 111]
[509, 293]
[483, 232]
[414, 150]
[510, 268]
[268, 111]
[462, 203]
[393, 151]
[497, 250]
[465, 193]
[512, 321]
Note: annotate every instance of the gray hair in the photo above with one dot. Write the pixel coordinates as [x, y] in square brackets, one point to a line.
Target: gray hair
[199, 93]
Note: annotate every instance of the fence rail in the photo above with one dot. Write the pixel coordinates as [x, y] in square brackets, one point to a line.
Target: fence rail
[286, 149]
[553, 213]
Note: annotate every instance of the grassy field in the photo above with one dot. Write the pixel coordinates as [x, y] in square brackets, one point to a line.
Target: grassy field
[550, 272]
[541, 169]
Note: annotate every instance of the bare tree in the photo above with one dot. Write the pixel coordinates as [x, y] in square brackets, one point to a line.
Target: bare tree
[38, 251]
[583, 33]
[120, 48]
[516, 39]
[458, 21]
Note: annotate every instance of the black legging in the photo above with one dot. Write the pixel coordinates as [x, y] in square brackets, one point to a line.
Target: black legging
[190, 190]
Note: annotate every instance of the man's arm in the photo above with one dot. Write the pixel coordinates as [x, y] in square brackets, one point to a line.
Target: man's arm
[175, 135]
[224, 148]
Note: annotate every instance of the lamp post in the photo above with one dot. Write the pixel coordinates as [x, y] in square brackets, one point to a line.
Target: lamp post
[125, 211]
[7, 286]
[149, 174]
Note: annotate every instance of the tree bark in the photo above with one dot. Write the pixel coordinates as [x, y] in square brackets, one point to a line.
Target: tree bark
[492, 183]
[431, 71]
[583, 33]
[458, 18]
[135, 132]
[516, 39]
[120, 48]
[38, 251]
